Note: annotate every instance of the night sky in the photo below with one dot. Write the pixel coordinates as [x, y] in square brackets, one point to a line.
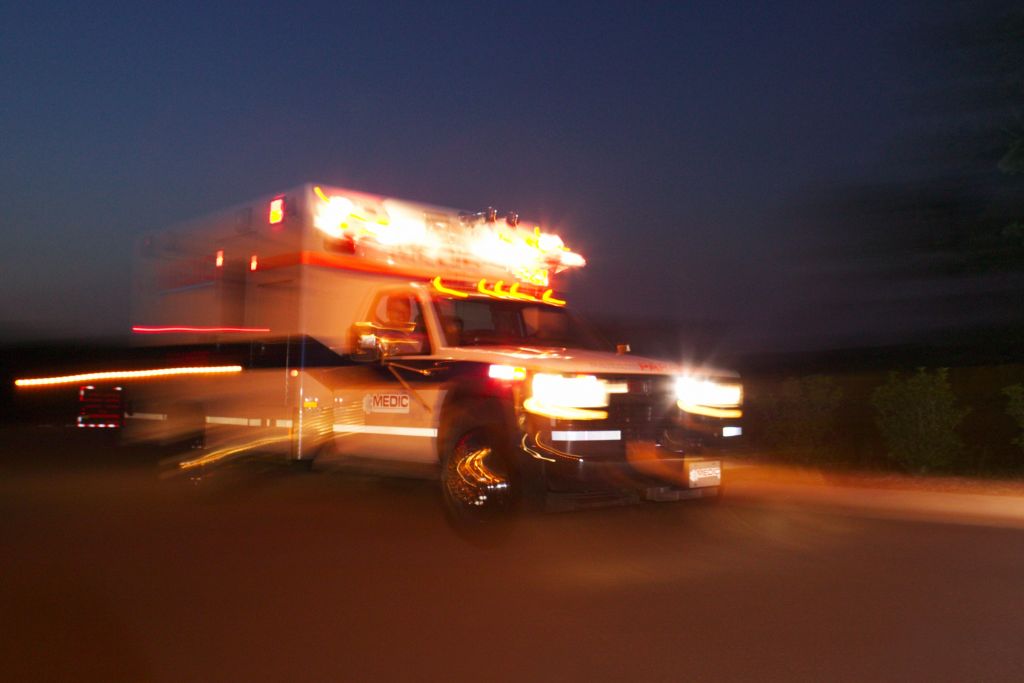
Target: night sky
[667, 142]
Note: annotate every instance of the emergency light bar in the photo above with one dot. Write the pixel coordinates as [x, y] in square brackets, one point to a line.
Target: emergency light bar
[400, 234]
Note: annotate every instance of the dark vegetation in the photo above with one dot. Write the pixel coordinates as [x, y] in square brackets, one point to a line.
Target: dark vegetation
[906, 408]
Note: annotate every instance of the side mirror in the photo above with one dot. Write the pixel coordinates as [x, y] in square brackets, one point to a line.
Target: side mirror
[621, 349]
[373, 342]
[368, 347]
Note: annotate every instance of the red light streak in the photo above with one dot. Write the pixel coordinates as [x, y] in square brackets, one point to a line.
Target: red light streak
[140, 329]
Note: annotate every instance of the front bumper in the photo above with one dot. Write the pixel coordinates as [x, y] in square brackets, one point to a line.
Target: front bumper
[601, 463]
[646, 440]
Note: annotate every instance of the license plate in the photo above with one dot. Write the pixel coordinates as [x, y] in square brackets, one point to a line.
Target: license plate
[705, 473]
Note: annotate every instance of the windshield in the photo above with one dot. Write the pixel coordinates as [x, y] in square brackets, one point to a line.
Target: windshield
[496, 322]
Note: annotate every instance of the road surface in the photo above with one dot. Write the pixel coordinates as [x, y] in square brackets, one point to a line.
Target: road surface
[109, 573]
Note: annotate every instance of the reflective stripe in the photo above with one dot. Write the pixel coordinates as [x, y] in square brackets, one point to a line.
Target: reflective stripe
[146, 416]
[287, 424]
[732, 431]
[592, 435]
[239, 422]
[381, 429]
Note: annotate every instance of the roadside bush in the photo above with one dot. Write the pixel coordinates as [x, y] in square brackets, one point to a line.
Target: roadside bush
[1015, 409]
[918, 419]
[801, 416]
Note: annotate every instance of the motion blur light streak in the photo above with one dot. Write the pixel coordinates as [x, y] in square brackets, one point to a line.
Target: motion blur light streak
[222, 453]
[472, 468]
[710, 412]
[127, 374]
[141, 329]
[561, 412]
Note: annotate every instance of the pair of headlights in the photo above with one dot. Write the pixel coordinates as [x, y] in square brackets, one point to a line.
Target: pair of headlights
[581, 396]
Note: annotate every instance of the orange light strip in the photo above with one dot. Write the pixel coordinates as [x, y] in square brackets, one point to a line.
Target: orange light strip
[514, 292]
[142, 329]
[497, 291]
[126, 374]
[549, 299]
[494, 291]
[727, 413]
[446, 290]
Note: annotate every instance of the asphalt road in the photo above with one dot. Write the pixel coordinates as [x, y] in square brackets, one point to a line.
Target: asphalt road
[109, 573]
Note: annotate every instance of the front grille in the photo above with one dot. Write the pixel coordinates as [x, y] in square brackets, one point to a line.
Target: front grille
[649, 404]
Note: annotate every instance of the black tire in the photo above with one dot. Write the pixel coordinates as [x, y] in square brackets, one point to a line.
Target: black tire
[478, 482]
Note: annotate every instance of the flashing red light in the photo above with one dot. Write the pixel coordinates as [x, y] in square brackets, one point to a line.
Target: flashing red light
[276, 214]
[219, 260]
[254, 262]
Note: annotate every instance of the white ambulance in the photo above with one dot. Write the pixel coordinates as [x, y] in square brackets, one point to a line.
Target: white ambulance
[343, 328]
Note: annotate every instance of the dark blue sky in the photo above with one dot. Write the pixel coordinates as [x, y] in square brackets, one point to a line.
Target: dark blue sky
[667, 140]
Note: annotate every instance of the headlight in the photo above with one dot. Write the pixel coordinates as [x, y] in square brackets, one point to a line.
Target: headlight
[582, 391]
[567, 398]
[698, 391]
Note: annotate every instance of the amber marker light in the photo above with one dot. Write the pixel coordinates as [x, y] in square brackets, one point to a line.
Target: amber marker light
[219, 260]
[254, 262]
[126, 374]
[508, 373]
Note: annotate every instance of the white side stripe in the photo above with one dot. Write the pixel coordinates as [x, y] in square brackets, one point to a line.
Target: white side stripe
[247, 421]
[237, 421]
[381, 429]
[587, 435]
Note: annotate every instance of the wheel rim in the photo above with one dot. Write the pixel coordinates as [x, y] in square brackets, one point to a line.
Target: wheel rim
[474, 485]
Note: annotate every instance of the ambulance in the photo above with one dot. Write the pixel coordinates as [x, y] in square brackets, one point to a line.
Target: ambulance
[339, 328]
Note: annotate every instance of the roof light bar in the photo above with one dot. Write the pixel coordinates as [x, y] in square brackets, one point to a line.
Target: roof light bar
[394, 231]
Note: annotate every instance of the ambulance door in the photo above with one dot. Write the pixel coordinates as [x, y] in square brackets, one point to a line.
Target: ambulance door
[386, 409]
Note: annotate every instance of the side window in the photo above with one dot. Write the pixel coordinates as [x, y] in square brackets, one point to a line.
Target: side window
[401, 318]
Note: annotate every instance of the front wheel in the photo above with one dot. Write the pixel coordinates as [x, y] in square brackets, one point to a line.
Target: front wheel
[476, 480]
